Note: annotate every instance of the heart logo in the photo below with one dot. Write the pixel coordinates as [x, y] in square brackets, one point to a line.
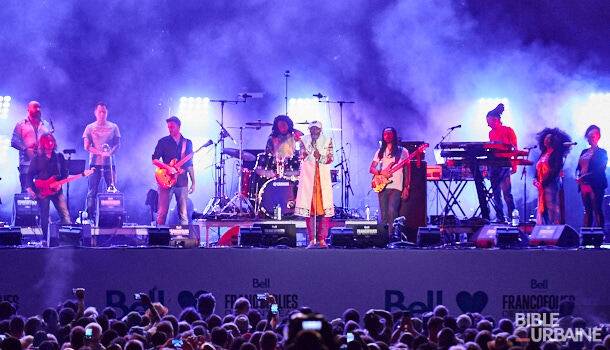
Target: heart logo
[471, 302]
[188, 299]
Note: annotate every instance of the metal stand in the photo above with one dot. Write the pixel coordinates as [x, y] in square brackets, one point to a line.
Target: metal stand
[220, 199]
[286, 76]
[524, 178]
[346, 187]
[112, 187]
[239, 200]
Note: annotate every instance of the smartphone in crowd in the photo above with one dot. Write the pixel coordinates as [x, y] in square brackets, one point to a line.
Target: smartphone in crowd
[89, 333]
[350, 337]
[275, 309]
[137, 296]
[177, 343]
[309, 325]
[261, 296]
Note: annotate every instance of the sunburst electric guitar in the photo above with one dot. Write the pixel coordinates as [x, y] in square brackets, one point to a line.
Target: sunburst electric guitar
[380, 182]
[165, 179]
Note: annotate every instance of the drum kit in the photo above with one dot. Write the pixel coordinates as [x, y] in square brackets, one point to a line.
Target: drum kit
[265, 181]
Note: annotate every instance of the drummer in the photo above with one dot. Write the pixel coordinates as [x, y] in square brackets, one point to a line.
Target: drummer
[282, 141]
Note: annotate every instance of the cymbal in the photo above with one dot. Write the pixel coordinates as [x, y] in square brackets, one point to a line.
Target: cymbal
[234, 153]
[259, 124]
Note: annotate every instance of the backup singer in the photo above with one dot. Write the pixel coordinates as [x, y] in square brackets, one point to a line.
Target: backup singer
[384, 158]
[174, 146]
[500, 176]
[591, 178]
[45, 164]
[315, 194]
[282, 141]
[101, 139]
[554, 147]
[26, 138]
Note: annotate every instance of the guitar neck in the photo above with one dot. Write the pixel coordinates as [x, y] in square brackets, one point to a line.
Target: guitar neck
[68, 179]
[188, 157]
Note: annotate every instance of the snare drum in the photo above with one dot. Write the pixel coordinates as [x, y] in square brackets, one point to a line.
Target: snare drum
[280, 191]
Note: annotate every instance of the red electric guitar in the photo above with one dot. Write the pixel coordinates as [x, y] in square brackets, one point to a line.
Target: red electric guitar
[51, 185]
[380, 182]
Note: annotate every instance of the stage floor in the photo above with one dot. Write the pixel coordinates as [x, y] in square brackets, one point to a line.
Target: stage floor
[491, 281]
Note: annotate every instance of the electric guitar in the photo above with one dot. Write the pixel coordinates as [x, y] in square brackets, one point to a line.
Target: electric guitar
[380, 182]
[51, 185]
[165, 179]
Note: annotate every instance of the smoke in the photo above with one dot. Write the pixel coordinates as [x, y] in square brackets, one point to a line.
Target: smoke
[419, 66]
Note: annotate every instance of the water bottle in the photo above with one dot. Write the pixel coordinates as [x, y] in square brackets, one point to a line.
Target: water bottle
[277, 212]
[515, 218]
[367, 212]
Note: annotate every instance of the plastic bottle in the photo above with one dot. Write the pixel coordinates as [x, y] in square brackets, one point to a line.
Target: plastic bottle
[515, 217]
[367, 212]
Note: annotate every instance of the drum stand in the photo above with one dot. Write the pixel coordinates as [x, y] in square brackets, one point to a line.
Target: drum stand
[239, 201]
[216, 203]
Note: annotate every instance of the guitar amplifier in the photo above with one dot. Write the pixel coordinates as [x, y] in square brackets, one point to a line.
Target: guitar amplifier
[25, 210]
[110, 210]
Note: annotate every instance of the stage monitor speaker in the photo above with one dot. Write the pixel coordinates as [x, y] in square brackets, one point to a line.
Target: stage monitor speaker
[414, 209]
[25, 210]
[429, 236]
[359, 234]
[110, 211]
[10, 236]
[554, 235]
[250, 237]
[159, 236]
[508, 237]
[591, 237]
[69, 235]
[277, 234]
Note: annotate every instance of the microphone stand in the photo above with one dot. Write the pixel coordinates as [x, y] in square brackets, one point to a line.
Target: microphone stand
[220, 198]
[286, 76]
[345, 190]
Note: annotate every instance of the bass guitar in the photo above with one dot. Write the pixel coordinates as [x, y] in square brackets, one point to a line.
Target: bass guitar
[165, 179]
[51, 185]
[380, 182]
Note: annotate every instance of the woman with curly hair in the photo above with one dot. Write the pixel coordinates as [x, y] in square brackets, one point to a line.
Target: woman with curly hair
[591, 178]
[554, 145]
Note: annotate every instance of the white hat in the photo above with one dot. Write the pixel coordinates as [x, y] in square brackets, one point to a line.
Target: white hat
[316, 124]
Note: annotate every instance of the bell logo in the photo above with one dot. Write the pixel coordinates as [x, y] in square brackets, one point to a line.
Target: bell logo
[265, 283]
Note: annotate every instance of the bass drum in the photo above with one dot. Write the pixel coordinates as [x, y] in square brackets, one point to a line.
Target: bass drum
[280, 191]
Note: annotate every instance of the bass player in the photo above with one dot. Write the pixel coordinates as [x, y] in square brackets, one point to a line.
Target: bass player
[46, 164]
[385, 157]
[174, 146]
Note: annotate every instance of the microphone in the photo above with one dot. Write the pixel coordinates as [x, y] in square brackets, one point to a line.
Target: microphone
[245, 95]
[530, 148]
[455, 127]
[52, 126]
[287, 73]
[208, 143]
[570, 143]
[319, 96]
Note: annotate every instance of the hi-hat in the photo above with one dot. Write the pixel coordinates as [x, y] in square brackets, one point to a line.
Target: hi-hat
[234, 152]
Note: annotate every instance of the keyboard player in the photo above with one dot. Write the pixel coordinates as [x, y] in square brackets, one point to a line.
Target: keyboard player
[499, 176]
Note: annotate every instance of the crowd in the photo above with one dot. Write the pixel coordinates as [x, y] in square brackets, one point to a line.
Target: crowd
[72, 325]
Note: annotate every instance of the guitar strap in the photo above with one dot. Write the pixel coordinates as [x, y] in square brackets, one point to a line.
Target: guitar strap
[183, 152]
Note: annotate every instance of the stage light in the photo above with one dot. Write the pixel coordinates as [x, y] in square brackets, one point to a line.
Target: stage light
[5, 104]
[308, 109]
[593, 109]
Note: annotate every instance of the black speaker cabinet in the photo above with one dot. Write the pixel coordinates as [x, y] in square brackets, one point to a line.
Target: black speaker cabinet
[554, 235]
[414, 209]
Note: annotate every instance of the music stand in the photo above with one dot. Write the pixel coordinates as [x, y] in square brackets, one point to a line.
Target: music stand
[75, 167]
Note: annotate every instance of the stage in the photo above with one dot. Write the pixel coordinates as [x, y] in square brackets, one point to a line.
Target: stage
[491, 281]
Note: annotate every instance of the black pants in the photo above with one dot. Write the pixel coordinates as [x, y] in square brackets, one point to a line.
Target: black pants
[501, 187]
[23, 177]
[94, 183]
[594, 207]
[389, 204]
[481, 191]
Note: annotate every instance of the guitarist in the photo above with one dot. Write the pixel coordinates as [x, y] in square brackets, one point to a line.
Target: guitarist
[174, 146]
[385, 157]
[46, 164]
